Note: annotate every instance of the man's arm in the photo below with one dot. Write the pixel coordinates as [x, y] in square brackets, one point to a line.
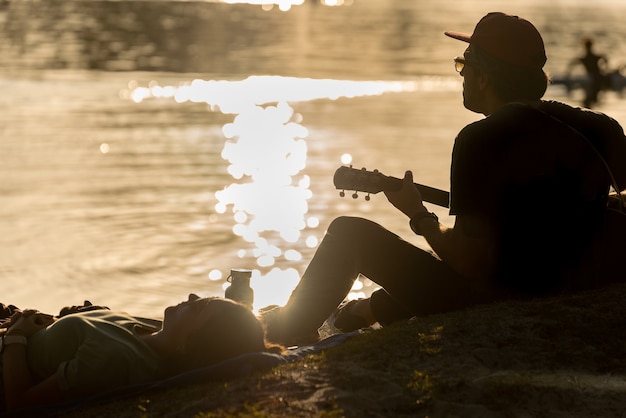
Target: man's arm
[467, 247]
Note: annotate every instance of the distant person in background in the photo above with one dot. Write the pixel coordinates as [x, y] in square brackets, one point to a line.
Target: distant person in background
[596, 67]
[91, 350]
[529, 188]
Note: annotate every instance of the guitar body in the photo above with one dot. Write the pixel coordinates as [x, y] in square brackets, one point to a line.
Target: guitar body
[361, 180]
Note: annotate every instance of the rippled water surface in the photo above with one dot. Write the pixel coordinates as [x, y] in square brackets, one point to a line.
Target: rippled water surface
[135, 203]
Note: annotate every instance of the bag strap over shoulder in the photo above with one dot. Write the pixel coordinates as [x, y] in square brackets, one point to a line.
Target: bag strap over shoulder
[618, 195]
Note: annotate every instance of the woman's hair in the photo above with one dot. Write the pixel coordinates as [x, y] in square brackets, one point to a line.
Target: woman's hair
[511, 83]
[235, 331]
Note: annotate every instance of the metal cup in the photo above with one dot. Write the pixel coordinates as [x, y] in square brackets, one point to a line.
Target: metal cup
[239, 289]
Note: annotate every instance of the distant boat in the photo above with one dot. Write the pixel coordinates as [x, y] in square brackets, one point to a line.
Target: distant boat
[615, 81]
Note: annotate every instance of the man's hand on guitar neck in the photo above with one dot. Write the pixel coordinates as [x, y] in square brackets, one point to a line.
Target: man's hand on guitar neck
[408, 199]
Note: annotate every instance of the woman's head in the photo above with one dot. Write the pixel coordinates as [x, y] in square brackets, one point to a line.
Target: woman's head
[211, 330]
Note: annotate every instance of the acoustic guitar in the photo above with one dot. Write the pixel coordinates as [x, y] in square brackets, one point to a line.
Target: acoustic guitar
[372, 182]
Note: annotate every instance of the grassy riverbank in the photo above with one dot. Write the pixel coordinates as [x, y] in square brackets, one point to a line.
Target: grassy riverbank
[562, 357]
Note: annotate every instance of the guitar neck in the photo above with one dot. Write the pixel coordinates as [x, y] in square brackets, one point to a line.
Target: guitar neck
[429, 194]
[435, 196]
[349, 178]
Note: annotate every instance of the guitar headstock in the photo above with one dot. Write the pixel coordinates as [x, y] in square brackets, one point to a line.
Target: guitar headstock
[359, 180]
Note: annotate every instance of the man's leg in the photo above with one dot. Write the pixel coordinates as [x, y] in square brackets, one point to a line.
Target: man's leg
[415, 279]
[416, 283]
[325, 283]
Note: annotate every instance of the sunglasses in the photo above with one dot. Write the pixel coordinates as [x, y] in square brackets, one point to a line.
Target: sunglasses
[459, 63]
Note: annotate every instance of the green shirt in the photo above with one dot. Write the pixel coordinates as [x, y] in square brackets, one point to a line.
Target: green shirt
[93, 352]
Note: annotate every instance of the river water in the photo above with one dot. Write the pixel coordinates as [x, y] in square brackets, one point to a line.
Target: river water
[126, 182]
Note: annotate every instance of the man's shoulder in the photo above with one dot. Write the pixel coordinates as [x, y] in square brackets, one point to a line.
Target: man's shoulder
[513, 116]
[528, 132]
[510, 120]
[574, 115]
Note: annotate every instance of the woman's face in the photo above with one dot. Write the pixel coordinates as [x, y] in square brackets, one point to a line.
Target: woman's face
[200, 331]
[187, 316]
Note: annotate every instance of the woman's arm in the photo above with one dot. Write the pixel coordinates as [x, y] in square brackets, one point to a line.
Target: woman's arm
[19, 388]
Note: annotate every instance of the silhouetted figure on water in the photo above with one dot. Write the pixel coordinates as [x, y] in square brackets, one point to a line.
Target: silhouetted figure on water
[596, 67]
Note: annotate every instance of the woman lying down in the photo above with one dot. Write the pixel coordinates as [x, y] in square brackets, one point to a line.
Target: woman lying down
[87, 351]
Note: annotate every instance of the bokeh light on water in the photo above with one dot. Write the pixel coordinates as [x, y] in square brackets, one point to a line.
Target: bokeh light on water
[265, 146]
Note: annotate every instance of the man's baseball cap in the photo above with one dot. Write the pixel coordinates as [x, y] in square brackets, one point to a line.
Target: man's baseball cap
[509, 38]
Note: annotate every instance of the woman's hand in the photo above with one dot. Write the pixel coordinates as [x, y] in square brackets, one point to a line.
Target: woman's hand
[5, 316]
[28, 322]
[408, 199]
[86, 306]
[6, 311]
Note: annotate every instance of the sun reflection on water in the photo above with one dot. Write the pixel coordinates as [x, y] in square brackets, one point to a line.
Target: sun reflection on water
[267, 150]
[285, 5]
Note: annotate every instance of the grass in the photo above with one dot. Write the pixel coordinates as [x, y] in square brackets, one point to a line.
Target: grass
[559, 357]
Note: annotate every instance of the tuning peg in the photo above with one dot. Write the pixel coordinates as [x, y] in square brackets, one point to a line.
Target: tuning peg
[367, 197]
[342, 193]
[355, 195]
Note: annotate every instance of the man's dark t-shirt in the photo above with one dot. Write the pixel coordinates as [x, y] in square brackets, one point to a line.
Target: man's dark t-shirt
[539, 183]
